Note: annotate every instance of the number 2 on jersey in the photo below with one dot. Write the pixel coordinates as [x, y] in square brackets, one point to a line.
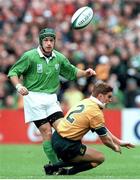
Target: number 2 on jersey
[79, 110]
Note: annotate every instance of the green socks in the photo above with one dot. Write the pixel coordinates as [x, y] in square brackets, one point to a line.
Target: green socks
[47, 146]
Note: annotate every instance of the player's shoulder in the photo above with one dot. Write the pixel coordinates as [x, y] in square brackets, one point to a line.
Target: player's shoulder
[88, 101]
[59, 54]
[91, 104]
[30, 52]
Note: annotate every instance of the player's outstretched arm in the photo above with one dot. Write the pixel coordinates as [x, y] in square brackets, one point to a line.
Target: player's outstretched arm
[108, 141]
[115, 139]
[120, 142]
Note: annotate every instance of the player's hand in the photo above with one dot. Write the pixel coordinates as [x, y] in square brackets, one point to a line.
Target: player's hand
[127, 145]
[22, 89]
[90, 72]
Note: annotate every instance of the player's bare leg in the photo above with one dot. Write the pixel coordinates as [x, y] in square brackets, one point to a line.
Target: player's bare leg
[91, 155]
[46, 132]
[91, 159]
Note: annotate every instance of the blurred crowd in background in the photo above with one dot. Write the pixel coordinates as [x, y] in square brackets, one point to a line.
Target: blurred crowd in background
[110, 45]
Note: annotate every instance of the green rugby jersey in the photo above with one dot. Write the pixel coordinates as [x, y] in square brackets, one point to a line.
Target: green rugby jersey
[40, 76]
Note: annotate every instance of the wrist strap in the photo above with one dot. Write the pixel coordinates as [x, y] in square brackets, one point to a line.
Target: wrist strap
[18, 85]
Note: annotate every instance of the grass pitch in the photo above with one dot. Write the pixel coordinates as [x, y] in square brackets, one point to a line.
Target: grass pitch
[26, 162]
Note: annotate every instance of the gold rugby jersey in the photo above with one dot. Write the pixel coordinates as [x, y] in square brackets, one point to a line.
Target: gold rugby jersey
[86, 115]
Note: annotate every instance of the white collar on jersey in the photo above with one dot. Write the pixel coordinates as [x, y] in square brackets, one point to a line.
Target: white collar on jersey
[42, 55]
[102, 105]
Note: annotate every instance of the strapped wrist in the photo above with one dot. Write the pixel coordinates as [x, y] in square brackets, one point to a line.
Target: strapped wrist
[18, 86]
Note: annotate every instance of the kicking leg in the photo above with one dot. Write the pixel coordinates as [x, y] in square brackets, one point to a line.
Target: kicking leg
[46, 133]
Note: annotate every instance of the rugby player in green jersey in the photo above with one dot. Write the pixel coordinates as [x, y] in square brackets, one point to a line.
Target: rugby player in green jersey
[40, 69]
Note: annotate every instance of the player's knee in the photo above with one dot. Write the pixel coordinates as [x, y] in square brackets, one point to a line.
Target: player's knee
[46, 134]
[101, 159]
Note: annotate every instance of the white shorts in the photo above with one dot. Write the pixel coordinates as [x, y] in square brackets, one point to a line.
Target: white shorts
[39, 106]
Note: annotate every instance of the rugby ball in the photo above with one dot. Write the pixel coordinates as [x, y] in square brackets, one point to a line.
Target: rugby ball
[82, 17]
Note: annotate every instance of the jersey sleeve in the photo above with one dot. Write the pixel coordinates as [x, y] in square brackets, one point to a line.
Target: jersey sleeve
[68, 70]
[97, 124]
[101, 131]
[97, 119]
[19, 67]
